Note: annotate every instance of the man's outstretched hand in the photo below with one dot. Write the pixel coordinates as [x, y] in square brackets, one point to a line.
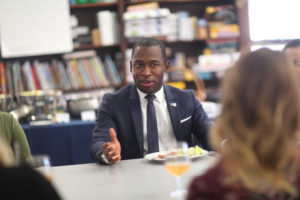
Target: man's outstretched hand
[112, 150]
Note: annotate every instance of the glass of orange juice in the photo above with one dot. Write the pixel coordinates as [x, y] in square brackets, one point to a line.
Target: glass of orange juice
[42, 164]
[177, 162]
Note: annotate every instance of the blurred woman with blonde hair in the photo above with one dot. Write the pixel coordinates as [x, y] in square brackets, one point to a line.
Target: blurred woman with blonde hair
[260, 120]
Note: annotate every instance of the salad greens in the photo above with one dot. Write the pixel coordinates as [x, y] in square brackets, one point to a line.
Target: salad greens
[192, 151]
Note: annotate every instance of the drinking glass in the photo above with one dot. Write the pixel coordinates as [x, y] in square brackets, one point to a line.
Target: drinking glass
[42, 164]
[177, 162]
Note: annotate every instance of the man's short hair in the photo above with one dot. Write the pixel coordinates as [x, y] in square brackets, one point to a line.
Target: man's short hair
[151, 42]
[291, 44]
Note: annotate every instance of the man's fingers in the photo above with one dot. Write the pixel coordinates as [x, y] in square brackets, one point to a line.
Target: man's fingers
[109, 150]
[113, 136]
[111, 153]
[106, 145]
[115, 159]
[112, 149]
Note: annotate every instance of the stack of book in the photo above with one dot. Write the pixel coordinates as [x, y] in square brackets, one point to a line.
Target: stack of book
[222, 22]
[81, 34]
[216, 62]
[146, 21]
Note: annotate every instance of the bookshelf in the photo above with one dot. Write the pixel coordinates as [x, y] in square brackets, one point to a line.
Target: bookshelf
[179, 1]
[94, 5]
[87, 16]
[91, 46]
[192, 47]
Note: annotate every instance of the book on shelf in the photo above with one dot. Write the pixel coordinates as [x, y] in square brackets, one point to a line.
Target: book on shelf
[40, 75]
[2, 79]
[80, 70]
[91, 73]
[96, 39]
[79, 54]
[87, 69]
[82, 82]
[146, 23]
[186, 26]
[82, 40]
[16, 77]
[29, 81]
[44, 75]
[143, 7]
[55, 74]
[84, 74]
[35, 78]
[64, 80]
[8, 78]
[216, 62]
[77, 74]
[20, 82]
[24, 82]
[49, 75]
[172, 26]
[112, 70]
[13, 77]
[222, 30]
[100, 70]
[79, 31]
[71, 75]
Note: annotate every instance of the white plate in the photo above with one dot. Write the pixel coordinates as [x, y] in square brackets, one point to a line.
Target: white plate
[154, 156]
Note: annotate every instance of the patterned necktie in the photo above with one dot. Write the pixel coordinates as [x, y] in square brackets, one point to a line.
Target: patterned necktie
[152, 135]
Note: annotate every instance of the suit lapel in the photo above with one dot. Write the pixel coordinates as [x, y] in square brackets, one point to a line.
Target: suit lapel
[173, 111]
[136, 114]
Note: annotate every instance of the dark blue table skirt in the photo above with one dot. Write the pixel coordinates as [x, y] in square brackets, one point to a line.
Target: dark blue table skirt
[66, 144]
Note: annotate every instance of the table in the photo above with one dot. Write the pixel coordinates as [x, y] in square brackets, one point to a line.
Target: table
[66, 144]
[128, 180]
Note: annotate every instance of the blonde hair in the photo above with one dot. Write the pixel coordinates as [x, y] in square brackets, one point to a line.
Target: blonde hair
[6, 157]
[260, 119]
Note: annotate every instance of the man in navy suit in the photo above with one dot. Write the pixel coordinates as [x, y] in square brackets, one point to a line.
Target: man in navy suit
[292, 50]
[121, 127]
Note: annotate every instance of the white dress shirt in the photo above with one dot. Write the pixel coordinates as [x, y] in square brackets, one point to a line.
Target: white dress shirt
[165, 131]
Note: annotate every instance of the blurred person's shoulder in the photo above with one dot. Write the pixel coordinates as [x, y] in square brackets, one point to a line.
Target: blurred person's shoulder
[19, 175]
[5, 116]
[210, 185]
[24, 182]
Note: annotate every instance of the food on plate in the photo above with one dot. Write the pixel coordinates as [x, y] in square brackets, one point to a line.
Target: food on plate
[196, 151]
[193, 151]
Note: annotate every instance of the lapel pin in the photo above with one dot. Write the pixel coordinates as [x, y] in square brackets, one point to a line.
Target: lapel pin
[173, 104]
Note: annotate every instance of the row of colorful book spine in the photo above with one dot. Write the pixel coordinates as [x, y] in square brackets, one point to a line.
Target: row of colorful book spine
[71, 74]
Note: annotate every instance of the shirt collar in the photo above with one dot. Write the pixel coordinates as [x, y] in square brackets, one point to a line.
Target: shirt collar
[159, 94]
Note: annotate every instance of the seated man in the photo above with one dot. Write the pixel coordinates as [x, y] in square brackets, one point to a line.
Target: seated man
[147, 116]
[13, 134]
[292, 50]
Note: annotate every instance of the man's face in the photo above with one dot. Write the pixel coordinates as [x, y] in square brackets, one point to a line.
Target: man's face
[148, 66]
[294, 54]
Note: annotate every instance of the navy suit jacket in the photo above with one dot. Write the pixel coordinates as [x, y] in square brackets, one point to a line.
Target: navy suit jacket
[122, 111]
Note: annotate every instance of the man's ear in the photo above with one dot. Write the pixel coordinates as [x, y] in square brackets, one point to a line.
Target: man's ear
[167, 64]
[130, 66]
